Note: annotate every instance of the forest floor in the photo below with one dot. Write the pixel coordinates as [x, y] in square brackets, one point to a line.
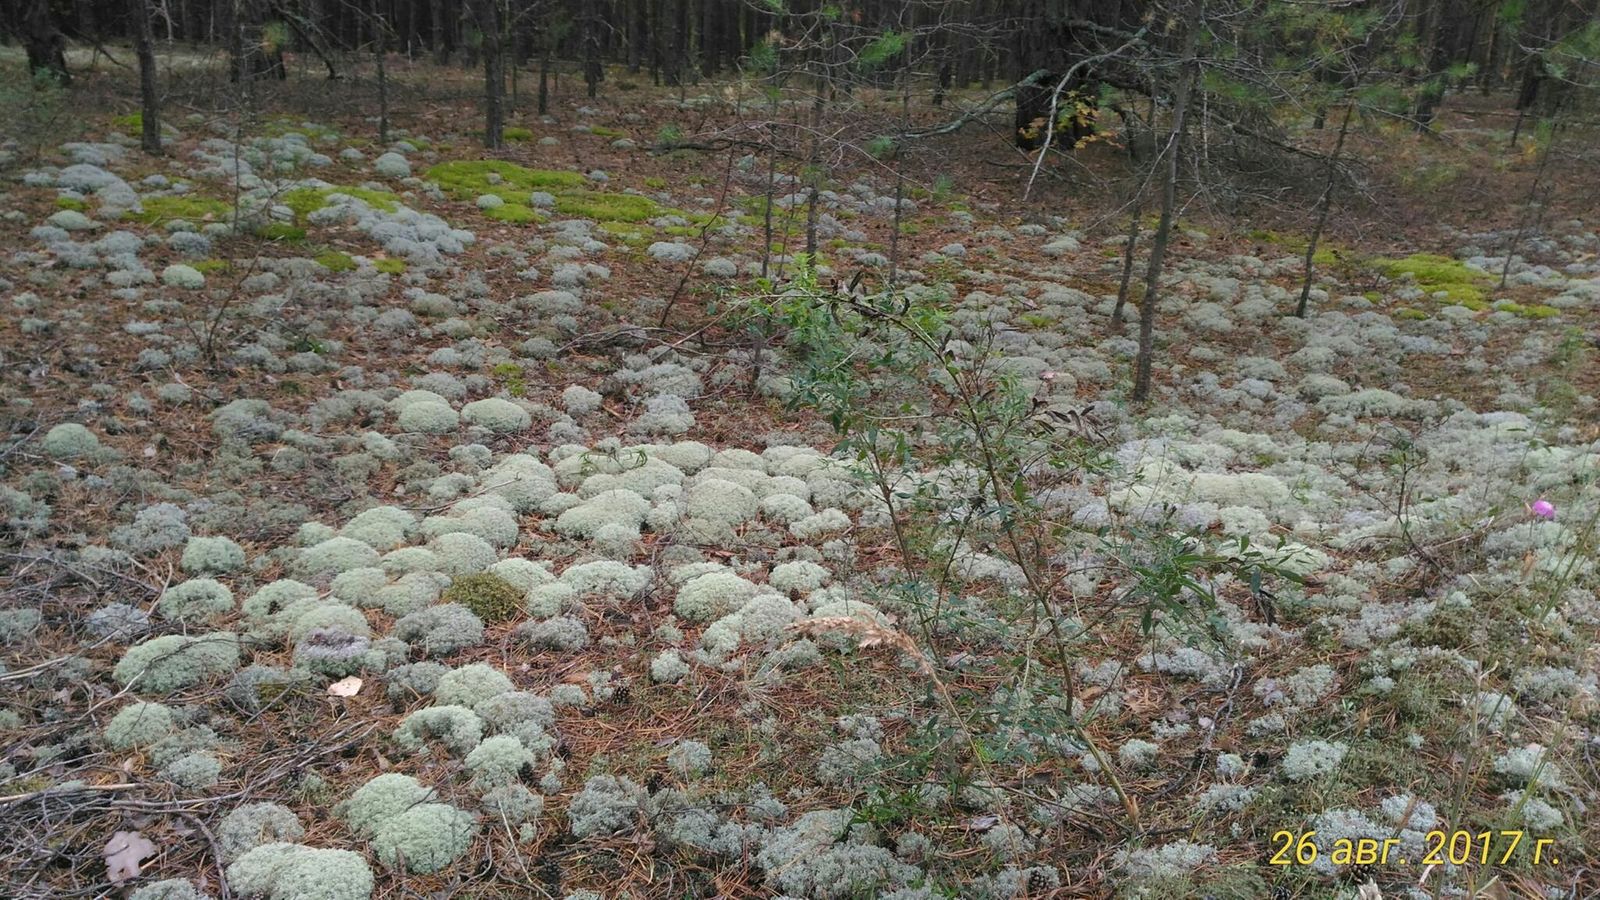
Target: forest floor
[273, 404]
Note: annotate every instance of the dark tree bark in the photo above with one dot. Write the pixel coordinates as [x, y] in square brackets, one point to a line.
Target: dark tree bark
[1324, 204]
[149, 100]
[45, 44]
[443, 36]
[1169, 205]
[1128, 251]
[593, 70]
[638, 33]
[486, 13]
[380, 52]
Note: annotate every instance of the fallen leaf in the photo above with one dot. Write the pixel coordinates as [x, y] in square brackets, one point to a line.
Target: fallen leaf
[124, 852]
[981, 823]
[345, 687]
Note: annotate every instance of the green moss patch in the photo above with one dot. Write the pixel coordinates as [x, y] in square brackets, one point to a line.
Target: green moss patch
[469, 179]
[606, 207]
[131, 125]
[172, 207]
[336, 261]
[390, 265]
[1435, 273]
[71, 203]
[517, 134]
[1531, 311]
[515, 213]
[281, 231]
[305, 201]
[210, 266]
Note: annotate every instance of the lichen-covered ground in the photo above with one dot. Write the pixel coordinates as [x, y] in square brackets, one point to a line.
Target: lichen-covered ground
[382, 521]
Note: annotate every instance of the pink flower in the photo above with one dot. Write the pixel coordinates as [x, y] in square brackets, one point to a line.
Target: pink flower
[1543, 508]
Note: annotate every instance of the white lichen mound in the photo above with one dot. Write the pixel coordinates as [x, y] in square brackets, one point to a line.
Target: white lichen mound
[282, 871]
[69, 440]
[807, 859]
[497, 415]
[712, 596]
[615, 507]
[425, 838]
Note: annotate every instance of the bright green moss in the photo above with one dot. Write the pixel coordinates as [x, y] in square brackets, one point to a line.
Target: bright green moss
[655, 184]
[71, 203]
[1435, 273]
[172, 207]
[1406, 312]
[512, 375]
[336, 261]
[517, 134]
[209, 266]
[390, 265]
[606, 207]
[281, 231]
[602, 131]
[1539, 311]
[131, 125]
[515, 213]
[305, 201]
[469, 179]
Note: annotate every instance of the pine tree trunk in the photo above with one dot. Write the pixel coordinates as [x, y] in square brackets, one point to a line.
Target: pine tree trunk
[379, 52]
[149, 100]
[1169, 205]
[593, 71]
[1128, 250]
[488, 20]
[638, 32]
[441, 31]
[1324, 204]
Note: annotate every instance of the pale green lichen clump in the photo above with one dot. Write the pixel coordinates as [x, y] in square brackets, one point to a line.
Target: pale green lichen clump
[173, 662]
[425, 838]
[284, 871]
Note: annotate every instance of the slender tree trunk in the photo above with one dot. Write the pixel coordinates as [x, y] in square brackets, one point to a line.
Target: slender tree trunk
[442, 38]
[379, 53]
[544, 79]
[1537, 202]
[1169, 205]
[638, 33]
[149, 100]
[1128, 249]
[1324, 204]
[486, 13]
[593, 71]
